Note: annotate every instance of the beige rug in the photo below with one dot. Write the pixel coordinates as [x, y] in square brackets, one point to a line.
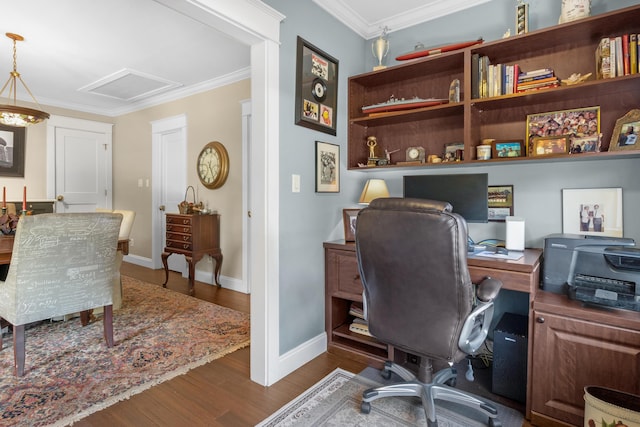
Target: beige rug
[70, 373]
[335, 401]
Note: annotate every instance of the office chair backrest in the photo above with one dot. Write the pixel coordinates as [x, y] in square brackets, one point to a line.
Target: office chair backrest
[412, 255]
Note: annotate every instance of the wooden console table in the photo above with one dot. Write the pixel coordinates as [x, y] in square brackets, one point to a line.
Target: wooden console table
[193, 236]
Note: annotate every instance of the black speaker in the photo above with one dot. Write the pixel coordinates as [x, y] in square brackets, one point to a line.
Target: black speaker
[510, 357]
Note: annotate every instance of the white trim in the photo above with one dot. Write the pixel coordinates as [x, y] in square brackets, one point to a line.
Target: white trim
[297, 357]
[246, 168]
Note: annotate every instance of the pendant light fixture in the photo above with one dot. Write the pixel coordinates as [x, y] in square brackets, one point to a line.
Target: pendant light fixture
[12, 114]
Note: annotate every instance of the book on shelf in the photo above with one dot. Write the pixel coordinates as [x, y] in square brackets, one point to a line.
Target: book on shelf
[360, 326]
[617, 56]
[356, 310]
[633, 53]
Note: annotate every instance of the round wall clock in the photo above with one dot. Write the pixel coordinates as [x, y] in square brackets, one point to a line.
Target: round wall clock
[213, 165]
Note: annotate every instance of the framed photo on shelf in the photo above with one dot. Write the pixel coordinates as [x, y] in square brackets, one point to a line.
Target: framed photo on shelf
[327, 167]
[453, 152]
[625, 132]
[592, 211]
[577, 123]
[12, 151]
[316, 88]
[349, 219]
[500, 202]
[547, 145]
[508, 148]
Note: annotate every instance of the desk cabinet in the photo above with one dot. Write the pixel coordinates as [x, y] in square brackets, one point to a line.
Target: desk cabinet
[193, 236]
[576, 346]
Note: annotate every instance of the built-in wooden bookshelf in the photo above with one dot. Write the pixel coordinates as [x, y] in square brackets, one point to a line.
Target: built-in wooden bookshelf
[566, 48]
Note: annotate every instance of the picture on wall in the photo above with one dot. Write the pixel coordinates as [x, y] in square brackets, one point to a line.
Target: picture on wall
[592, 211]
[12, 149]
[327, 167]
[316, 88]
[500, 202]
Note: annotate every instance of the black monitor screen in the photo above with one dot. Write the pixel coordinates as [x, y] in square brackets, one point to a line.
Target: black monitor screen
[467, 193]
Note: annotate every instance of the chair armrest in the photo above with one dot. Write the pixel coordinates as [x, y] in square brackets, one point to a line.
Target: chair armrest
[488, 289]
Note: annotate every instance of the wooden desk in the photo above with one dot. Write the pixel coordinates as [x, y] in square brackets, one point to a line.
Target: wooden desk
[343, 286]
[193, 236]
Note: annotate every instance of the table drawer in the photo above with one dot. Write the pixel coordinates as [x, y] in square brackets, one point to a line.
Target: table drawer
[179, 220]
[179, 237]
[184, 246]
[178, 228]
[343, 267]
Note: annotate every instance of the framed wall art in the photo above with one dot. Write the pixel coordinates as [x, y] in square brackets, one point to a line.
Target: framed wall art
[592, 211]
[577, 123]
[316, 88]
[327, 167]
[500, 202]
[508, 148]
[12, 151]
[349, 218]
[625, 132]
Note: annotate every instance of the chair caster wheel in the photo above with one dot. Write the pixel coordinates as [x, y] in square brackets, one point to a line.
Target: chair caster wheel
[494, 422]
[365, 407]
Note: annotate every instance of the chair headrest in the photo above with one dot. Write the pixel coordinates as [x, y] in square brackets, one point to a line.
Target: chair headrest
[397, 203]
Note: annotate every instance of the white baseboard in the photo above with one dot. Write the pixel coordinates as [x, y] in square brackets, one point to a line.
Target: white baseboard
[201, 276]
[302, 354]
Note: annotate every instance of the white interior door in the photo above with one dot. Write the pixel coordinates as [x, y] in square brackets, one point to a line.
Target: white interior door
[169, 182]
[79, 154]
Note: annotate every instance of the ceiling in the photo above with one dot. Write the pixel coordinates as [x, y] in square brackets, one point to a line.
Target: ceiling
[117, 56]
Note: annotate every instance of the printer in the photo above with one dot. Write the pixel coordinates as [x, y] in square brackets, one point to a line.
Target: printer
[595, 269]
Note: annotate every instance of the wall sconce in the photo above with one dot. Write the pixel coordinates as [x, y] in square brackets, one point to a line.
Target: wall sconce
[373, 189]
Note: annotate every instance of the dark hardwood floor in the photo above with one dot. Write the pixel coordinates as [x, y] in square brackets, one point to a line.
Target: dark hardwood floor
[219, 393]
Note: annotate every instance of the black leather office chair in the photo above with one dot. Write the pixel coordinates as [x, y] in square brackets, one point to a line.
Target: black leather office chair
[419, 298]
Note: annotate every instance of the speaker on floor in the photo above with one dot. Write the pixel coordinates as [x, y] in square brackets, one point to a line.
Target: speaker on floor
[509, 377]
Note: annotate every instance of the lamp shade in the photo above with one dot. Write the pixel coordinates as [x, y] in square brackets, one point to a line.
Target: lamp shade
[373, 189]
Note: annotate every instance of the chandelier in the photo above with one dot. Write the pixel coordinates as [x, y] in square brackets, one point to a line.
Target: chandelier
[12, 114]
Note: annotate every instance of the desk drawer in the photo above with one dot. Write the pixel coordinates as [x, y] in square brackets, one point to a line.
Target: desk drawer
[184, 246]
[186, 229]
[343, 269]
[179, 220]
[179, 237]
[513, 280]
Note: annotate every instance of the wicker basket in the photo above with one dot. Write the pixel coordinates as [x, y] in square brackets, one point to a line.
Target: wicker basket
[185, 207]
[608, 407]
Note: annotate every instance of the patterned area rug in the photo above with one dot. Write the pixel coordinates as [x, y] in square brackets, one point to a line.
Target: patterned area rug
[70, 373]
[335, 401]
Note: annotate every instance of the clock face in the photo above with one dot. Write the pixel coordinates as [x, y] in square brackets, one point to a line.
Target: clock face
[414, 153]
[213, 165]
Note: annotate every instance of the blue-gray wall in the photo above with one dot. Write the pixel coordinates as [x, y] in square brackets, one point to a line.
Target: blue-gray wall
[307, 218]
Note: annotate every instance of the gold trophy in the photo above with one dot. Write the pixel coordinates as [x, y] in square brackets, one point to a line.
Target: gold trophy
[380, 48]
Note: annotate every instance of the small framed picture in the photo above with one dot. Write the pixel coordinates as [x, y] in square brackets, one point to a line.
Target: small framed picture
[522, 18]
[453, 152]
[12, 151]
[592, 211]
[500, 202]
[508, 148]
[327, 167]
[625, 132]
[349, 219]
[586, 144]
[547, 145]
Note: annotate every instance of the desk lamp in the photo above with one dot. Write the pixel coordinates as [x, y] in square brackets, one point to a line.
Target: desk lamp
[373, 189]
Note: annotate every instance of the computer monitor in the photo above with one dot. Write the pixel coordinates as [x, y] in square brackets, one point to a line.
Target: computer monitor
[467, 193]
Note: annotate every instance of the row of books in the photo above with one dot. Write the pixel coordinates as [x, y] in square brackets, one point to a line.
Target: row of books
[359, 324]
[618, 56]
[489, 80]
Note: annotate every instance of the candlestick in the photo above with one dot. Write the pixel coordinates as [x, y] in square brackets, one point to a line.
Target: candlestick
[24, 199]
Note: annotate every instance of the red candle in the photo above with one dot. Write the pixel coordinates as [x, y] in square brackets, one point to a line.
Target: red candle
[24, 199]
[4, 197]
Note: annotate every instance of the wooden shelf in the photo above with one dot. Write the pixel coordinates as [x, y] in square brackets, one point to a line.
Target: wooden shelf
[566, 48]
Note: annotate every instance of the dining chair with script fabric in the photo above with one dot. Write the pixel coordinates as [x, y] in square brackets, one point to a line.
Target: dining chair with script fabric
[61, 264]
[418, 297]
